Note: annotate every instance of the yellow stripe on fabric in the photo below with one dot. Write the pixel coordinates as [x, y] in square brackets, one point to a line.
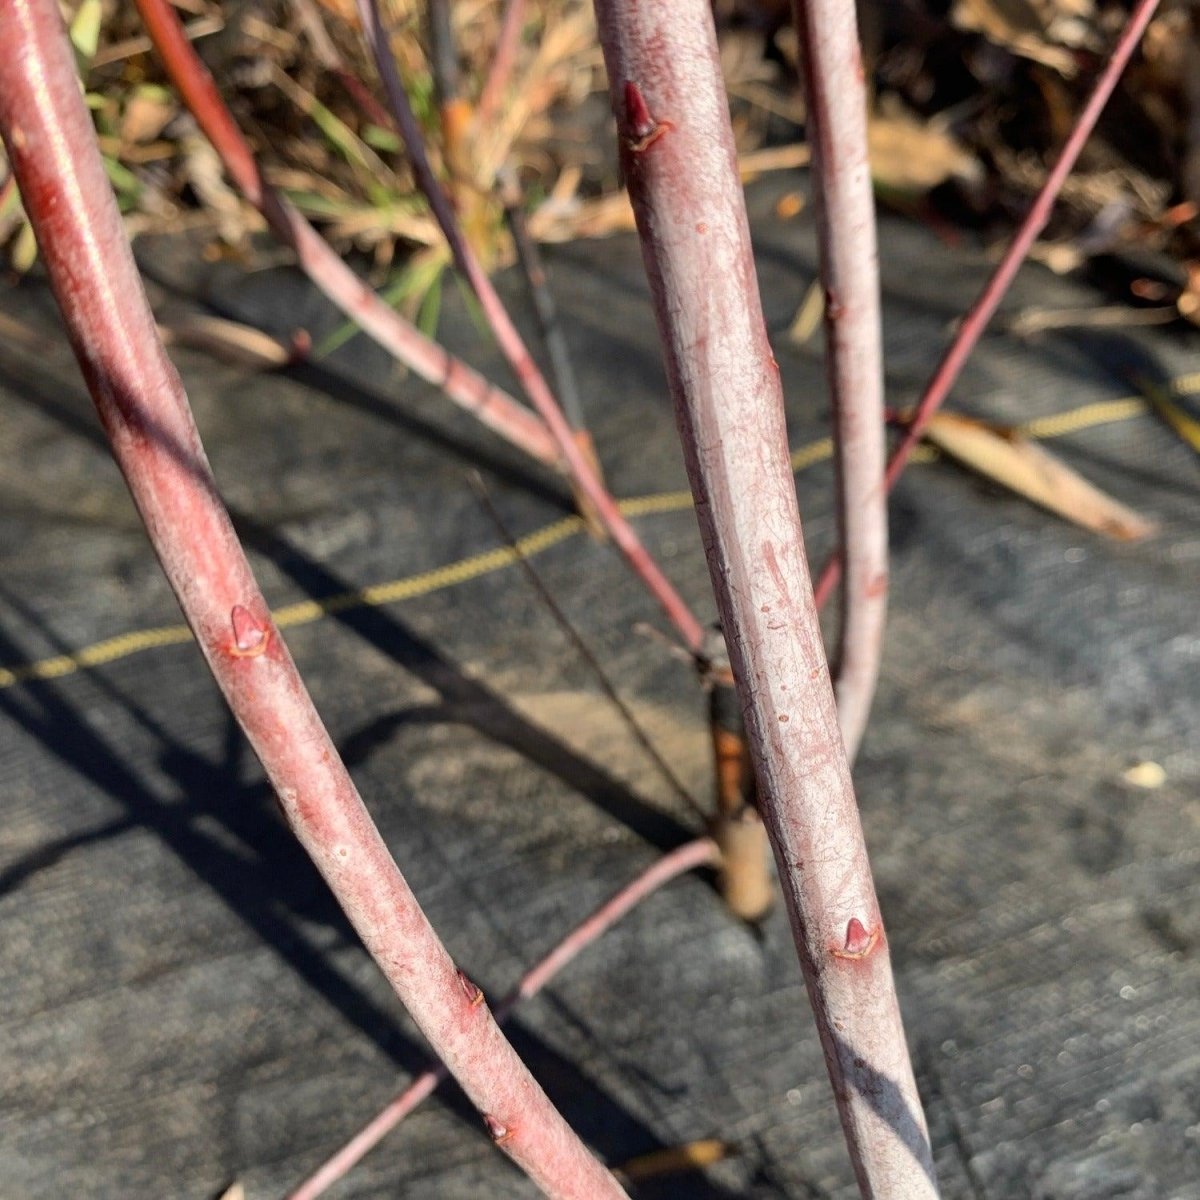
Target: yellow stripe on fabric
[305, 612]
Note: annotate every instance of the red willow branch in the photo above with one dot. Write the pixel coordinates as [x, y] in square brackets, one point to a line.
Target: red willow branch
[463, 385]
[981, 312]
[836, 124]
[142, 406]
[681, 170]
[579, 466]
[700, 853]
[504, 58]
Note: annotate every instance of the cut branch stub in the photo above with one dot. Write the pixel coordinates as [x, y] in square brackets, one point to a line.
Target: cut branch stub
[680, 166]
[736, 826]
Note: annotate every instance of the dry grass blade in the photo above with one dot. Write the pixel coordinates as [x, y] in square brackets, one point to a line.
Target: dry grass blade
[564, 217]
[691, 1156]
[233, 342]
[1032, 321]
[1030, 470]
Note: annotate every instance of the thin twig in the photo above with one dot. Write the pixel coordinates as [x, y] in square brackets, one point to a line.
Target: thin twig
[504, 57]
[193, 31]
[700, 853]
[443, 56]
[460, 383]
[581, 647]
[453, 109]
[319, 41]
[580, 468]
[984, 308]
[544, 307]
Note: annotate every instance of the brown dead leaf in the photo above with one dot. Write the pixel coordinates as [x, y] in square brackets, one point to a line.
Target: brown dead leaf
[563, 217]
[1034, 29]
[146, 114]
[913, 157]
[1030, 470]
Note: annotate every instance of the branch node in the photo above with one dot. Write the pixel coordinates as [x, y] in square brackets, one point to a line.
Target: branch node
[859, 943]
[472, 991]
[497, 1130]
[643, 129]
[249, 637]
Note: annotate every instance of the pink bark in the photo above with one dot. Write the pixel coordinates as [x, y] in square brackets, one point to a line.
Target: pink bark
[504, 58]
[461, 384]
[836, 125]
[579, 466]
[680, 166]
[144, 411]
[700, 853]
[981, 312]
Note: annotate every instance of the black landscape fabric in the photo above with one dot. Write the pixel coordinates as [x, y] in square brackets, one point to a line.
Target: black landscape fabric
[181, 1005]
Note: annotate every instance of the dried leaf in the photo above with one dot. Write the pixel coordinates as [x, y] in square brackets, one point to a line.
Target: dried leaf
[1029, 469]
[910, 156]
[691, 1156]
[146, 114]
[1026, 28]
[808, 316]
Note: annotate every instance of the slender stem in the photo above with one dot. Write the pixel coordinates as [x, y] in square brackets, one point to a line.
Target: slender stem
[836, 107]
[680, 167]
[544, 307]
[504, 57]
[48, 135]
[700, 853]
[583, 649]
[463, 385]
[981, 312]
[454, 111]
[580, 468]
[443, 55]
